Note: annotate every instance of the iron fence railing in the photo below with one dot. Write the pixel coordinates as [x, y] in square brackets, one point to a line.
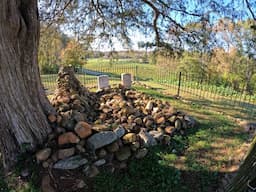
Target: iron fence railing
[182, 84]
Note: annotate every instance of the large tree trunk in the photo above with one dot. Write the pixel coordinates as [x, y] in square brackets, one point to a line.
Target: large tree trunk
[23, 103]
[247, 172]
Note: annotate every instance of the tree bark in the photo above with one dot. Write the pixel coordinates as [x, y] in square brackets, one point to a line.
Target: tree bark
[247, 171]
[23, 103]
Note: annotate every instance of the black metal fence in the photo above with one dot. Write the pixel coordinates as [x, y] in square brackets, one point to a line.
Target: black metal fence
[189, 86]
[205, 90]
[88, 76]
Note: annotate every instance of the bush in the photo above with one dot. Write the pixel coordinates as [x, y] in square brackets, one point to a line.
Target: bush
[49, 69]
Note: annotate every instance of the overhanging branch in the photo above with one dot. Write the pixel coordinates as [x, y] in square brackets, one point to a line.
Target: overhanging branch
[156, 16]
[250, 9]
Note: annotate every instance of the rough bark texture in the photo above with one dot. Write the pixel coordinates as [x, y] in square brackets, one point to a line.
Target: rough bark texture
[23, 103]
[247, 172]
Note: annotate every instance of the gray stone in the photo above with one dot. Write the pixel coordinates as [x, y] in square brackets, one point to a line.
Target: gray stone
[138, 121]
[123, 165]
[102, 127]
[157, 135]
[141, 153]
[43, 154]
[64, 107]
[155, 110]
[119, 131]
[64, 153]
[113, 147]
[103, 82]
[78, 116]
[147, 139]
[172, 118]
[126, 80]
[178, 124]
[135, 146]
[70, 163]
[99, 162]
[80, 148]
[81, 184]
[46, 164]
[91, 171]
[101, 139]
[25, 173]
[123, 154]
[101, 153]
[149, 106]
[166, 140]
[190, 121]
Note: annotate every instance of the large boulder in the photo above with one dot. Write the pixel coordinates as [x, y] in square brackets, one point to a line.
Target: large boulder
[101, 139]
[71, 163]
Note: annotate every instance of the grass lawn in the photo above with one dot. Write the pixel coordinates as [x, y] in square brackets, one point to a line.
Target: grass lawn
[199, 159]
[143, 71]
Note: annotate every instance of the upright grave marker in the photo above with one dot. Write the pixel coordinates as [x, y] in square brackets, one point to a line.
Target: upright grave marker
[126, 80]
[103, 82]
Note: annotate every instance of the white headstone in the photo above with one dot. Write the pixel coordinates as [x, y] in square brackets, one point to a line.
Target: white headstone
[126, 80]
[103, 82]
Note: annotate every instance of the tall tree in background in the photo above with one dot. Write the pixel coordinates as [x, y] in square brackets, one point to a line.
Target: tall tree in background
[73, 54]
[50, 46]
[246, 40]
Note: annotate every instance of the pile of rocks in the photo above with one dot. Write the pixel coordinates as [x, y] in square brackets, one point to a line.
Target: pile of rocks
[72, 101]
[107, 128]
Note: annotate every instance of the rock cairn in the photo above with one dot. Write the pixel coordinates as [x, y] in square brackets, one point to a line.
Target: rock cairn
[72, 101]
[107, 128]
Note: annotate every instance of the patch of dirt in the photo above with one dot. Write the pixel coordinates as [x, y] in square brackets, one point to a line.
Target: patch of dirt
[65, 181]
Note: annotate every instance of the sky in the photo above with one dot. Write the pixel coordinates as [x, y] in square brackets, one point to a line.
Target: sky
[138, 36]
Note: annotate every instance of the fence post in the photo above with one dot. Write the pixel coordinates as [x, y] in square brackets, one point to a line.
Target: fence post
[136, 73]
[84, 74]
[178, 93]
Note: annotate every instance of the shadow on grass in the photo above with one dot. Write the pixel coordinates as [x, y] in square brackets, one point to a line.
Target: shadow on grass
[158, 173]
[13, 180]
[240, 109]
[3, 184]
[206, 150]
[155, 174]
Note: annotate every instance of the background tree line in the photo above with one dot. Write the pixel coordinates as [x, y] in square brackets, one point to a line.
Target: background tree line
[224, 52]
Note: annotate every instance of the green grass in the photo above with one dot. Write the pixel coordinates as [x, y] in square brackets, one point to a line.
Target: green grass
[142, 71]
[13, 183]
[3, 184]
[149, 174]
[198, 159]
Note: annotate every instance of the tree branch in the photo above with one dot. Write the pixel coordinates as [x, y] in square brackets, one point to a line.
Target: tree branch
[179, 10]
[250, 9]
[58, 13]
[156, 16]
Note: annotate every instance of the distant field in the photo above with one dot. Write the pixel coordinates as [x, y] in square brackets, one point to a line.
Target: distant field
[143, 71]
[191, 86]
